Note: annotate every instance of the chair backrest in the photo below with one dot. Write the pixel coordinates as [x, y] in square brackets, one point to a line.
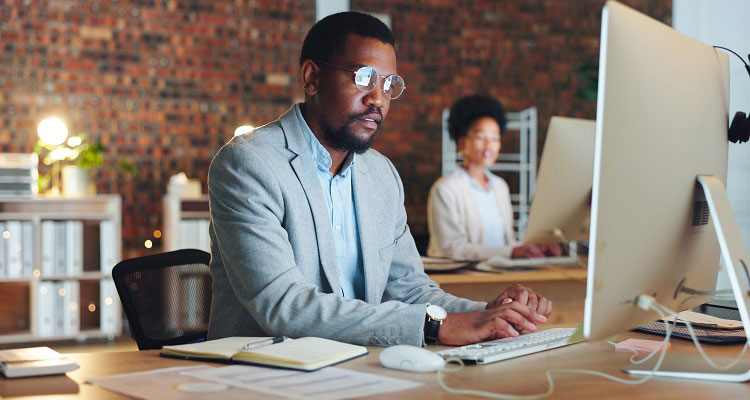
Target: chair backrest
[166, 297]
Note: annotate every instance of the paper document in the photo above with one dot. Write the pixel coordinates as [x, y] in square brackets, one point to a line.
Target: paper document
[168, 384]
[326, 384]
[706, 321]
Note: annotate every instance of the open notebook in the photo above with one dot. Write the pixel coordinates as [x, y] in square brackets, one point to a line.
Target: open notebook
[306, 354]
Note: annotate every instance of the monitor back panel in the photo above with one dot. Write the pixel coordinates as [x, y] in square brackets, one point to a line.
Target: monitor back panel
[661, 121]
[563, 190]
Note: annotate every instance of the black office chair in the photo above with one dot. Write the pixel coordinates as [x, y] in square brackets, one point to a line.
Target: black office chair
[166, 297]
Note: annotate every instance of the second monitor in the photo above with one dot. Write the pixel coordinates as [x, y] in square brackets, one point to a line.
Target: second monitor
[562, 200]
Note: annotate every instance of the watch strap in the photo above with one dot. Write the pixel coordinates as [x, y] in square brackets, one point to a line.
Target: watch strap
[431, 330]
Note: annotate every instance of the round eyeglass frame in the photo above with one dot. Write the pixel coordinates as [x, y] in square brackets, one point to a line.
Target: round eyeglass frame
[378, 77]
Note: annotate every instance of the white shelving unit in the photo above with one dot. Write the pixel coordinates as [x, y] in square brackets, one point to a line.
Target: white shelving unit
[523, 126]
[186, 223]
[56, 275]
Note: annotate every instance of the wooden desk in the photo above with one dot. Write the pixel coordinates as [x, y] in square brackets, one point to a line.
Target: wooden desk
[524, 375]
[566, 287]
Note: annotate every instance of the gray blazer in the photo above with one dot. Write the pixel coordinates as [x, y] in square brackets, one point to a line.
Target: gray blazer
[273, 260]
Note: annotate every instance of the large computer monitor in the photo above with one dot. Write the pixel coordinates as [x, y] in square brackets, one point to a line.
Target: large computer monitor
[662, 116]
[563, 189]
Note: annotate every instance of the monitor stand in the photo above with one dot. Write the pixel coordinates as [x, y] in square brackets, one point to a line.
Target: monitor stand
[737, 264]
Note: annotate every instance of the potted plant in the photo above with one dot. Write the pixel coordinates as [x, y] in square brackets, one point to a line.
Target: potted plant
[71, 162]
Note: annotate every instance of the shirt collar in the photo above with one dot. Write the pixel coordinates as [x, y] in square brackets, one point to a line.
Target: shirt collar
[473, 183]
[319, 154]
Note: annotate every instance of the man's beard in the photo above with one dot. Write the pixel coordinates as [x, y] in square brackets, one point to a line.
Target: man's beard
[343, 138]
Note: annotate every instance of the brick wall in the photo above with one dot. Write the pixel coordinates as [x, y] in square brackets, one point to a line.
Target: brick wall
[164, 83]
[525, 53]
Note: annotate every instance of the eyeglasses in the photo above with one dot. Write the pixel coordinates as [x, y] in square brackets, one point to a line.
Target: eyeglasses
[366, 78]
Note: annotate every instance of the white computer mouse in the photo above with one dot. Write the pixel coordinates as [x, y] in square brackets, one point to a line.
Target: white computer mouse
[411, 358]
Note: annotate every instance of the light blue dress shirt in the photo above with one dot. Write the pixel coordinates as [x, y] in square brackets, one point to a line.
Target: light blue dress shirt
[342, 210]
[493, 223]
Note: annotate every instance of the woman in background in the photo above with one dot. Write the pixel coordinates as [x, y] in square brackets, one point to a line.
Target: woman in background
[469, 212]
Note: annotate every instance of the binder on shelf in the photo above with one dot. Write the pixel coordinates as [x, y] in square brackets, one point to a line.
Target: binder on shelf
[108, 245]
[59, 309]
[60, 262]
[204, 243]
[27, 249]
[185, 228]
[48, 248]
[45, 309]
[14, 233]
[194, 234]
[73, 247]
[71, 309]
[109, 311]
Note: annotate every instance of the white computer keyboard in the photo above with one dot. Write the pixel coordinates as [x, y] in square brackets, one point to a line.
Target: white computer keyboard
[503, 349]
[499, 262]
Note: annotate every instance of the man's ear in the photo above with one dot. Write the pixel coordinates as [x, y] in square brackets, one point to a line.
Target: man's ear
[310, 76]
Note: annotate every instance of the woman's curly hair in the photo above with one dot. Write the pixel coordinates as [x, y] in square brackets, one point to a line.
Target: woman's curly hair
[468, 109]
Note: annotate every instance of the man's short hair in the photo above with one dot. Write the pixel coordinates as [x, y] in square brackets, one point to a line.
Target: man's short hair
[468, 109]
[328, 35]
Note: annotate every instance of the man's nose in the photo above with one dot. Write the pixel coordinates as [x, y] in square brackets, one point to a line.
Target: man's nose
[376, 96]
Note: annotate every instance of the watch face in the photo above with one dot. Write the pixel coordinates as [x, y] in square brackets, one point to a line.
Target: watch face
[436, 312]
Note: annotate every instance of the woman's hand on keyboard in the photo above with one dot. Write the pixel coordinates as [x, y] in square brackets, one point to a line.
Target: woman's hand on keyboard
[524, 295]
[505, 320]
[537, 250]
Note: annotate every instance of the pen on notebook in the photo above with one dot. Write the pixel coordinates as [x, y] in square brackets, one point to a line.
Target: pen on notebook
[277, 339]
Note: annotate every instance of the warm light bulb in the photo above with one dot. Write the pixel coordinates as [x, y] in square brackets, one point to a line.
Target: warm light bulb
[108, 301]
[92, 307]
[75, 141]
[60, 153]
[243, 129]
[157, 233]
[52, 131]
[148, 244]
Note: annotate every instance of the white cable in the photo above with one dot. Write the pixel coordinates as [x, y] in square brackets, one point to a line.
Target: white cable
[698, 345]
[548, 373]
[645, 302]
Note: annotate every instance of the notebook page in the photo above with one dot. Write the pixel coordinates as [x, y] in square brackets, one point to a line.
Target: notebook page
[305, 350]
[224, 348]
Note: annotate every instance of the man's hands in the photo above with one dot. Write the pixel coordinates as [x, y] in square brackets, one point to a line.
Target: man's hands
[536, 251]
[526, 296]
[506, 320]
[515, 310]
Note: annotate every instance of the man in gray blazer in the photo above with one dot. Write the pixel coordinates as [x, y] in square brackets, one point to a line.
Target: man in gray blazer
[308, 226]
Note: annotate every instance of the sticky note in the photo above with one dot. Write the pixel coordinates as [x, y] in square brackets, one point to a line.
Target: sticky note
[640, 345]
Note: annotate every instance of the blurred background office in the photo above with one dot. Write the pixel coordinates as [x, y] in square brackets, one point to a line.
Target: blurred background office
[163, 84]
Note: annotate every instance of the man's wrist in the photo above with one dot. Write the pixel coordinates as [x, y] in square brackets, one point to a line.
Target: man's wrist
[434, 317]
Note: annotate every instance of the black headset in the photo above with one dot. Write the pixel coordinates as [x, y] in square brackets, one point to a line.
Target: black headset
[739, 129]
